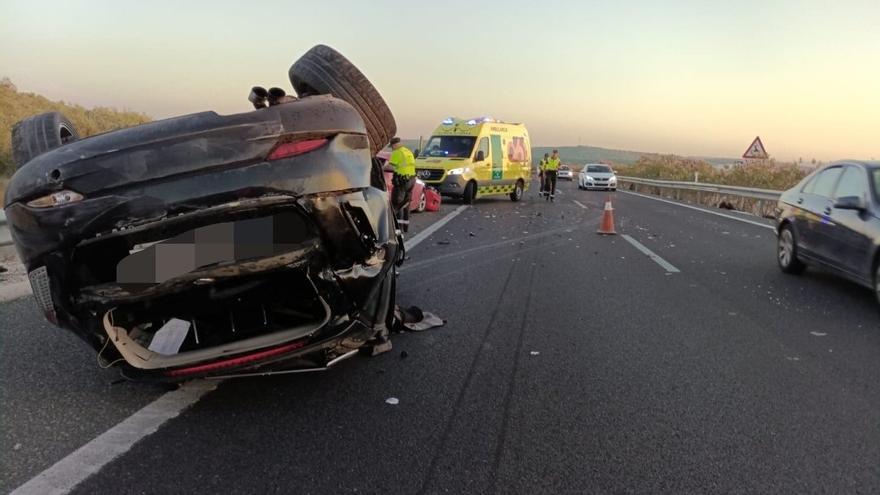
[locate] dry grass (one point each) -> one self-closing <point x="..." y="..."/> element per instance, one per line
<point x="767" y="174"/>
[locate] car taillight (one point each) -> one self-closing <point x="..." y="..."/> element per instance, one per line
<point x="56" y="199"/>
<point x="287" y="150"/>
<point x="238" y="361"/>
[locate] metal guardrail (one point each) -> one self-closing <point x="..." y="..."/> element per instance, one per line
<point x="5" y="236"/>
<point x="745" y="192"/>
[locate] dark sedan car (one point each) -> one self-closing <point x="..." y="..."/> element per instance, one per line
<point x="214" y="244"/>
<point x="832" y="219"/>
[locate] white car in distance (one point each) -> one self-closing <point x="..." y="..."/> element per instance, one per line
<point x="596" y="176"/>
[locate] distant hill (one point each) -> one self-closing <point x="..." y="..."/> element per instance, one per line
<point x="579" y="155"/>
<point x="588" y="154"/>
<point x="15" y="106"/>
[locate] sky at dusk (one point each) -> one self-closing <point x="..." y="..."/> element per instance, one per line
<point x="685" y="77"/>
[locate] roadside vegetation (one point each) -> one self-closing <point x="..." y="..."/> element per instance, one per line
<point x="767" y="174"/>
<point x="15" y="106"/>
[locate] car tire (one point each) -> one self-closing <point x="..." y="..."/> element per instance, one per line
<point x="323" y="70"/>
<point x="517" y="193"/>
<point x="36" y="135"/>
<point x="470" y="193"/>
<point x="423" y="202"/>
<point x="787" y="251"/>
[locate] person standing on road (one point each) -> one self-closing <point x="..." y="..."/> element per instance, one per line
<point x="404" y="164"/>
<point x="551" y="168"/>
<point x="541" y="166"/>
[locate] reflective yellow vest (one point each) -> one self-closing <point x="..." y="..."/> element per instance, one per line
<point x="403" y="162"/>
<point x="552" y="164"/>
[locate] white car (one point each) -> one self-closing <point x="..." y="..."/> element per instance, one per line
<point x="565" y="173"/>
<point x="597" y="177"/>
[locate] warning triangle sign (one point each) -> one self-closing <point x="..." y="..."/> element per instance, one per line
<point x="756" y="150"/>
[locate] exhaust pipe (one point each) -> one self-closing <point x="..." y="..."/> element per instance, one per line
<point x="258" y="97"/>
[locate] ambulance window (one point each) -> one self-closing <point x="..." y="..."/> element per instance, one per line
<point x="484" y="147"/>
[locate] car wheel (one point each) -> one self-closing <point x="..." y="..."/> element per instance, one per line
<point x="323" y="70"/>
<point x="36" y="135"/>
<point x="787" y="251"/>
<point x="470" y="193"/>
<point x="423" y="202"/>
<point x="517" y="193"/>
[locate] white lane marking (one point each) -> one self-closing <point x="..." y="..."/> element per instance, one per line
<point x="91" y="457"/>
<point x="657" y="259"/>
<point x="744" y="220"/>
<point x="421" y="236"/>
<point x="580" y="204"/>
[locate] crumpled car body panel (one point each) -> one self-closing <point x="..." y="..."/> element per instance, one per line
<point x="274" y="264"/>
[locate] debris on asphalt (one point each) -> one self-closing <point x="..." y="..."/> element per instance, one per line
<point x="818" y="334"/>
<point x="443" y="243"/>
<point x="17" y="447"/>
<point x="404" y="354"/>
<point x="414" y="319"/>
<point x="535" y="353"/>
<point x="392" y="400"/>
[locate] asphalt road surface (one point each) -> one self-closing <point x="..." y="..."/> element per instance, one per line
<point x="677" y="359"/>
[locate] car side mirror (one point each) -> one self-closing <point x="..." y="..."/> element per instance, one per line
<point x="850" y="203"/>
<point x="480" y="156"/>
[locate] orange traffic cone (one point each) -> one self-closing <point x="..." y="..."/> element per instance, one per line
<point x="607" y="225"/>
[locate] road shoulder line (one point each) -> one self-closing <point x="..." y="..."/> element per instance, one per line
<point x="87" y="460"/>
<point x="731" y="217"/>
<point x="421" y="236"/>
<point x="669" y="267"/>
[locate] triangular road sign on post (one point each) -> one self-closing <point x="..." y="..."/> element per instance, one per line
<point x="756" y="150"/>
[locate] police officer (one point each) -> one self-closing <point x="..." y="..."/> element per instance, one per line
<point x="404" y="165"/>
<point x="551" y="167"/>
<point x="541" y="166"/>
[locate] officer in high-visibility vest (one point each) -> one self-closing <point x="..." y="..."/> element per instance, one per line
<point x="541" y="166"/>
<point x="404" y="164"/>
<point x="550" y="170"/>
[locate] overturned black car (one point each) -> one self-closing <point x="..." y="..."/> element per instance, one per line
<point x="209" y="245"/>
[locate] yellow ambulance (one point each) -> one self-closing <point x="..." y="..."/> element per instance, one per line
<point x="473" y="158"/>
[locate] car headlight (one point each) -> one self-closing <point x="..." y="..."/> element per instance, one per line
<point x="613" y="179"/>
<point x="59" y="198"/>
<point x="459" y="171"/>
<point x="589" y="178"/>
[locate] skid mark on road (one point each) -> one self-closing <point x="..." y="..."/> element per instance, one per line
<point x="511" y="385"/>
<point x="456" y="406"/>
<point x="530" y="237"/>
<point x="516" y="250"/>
